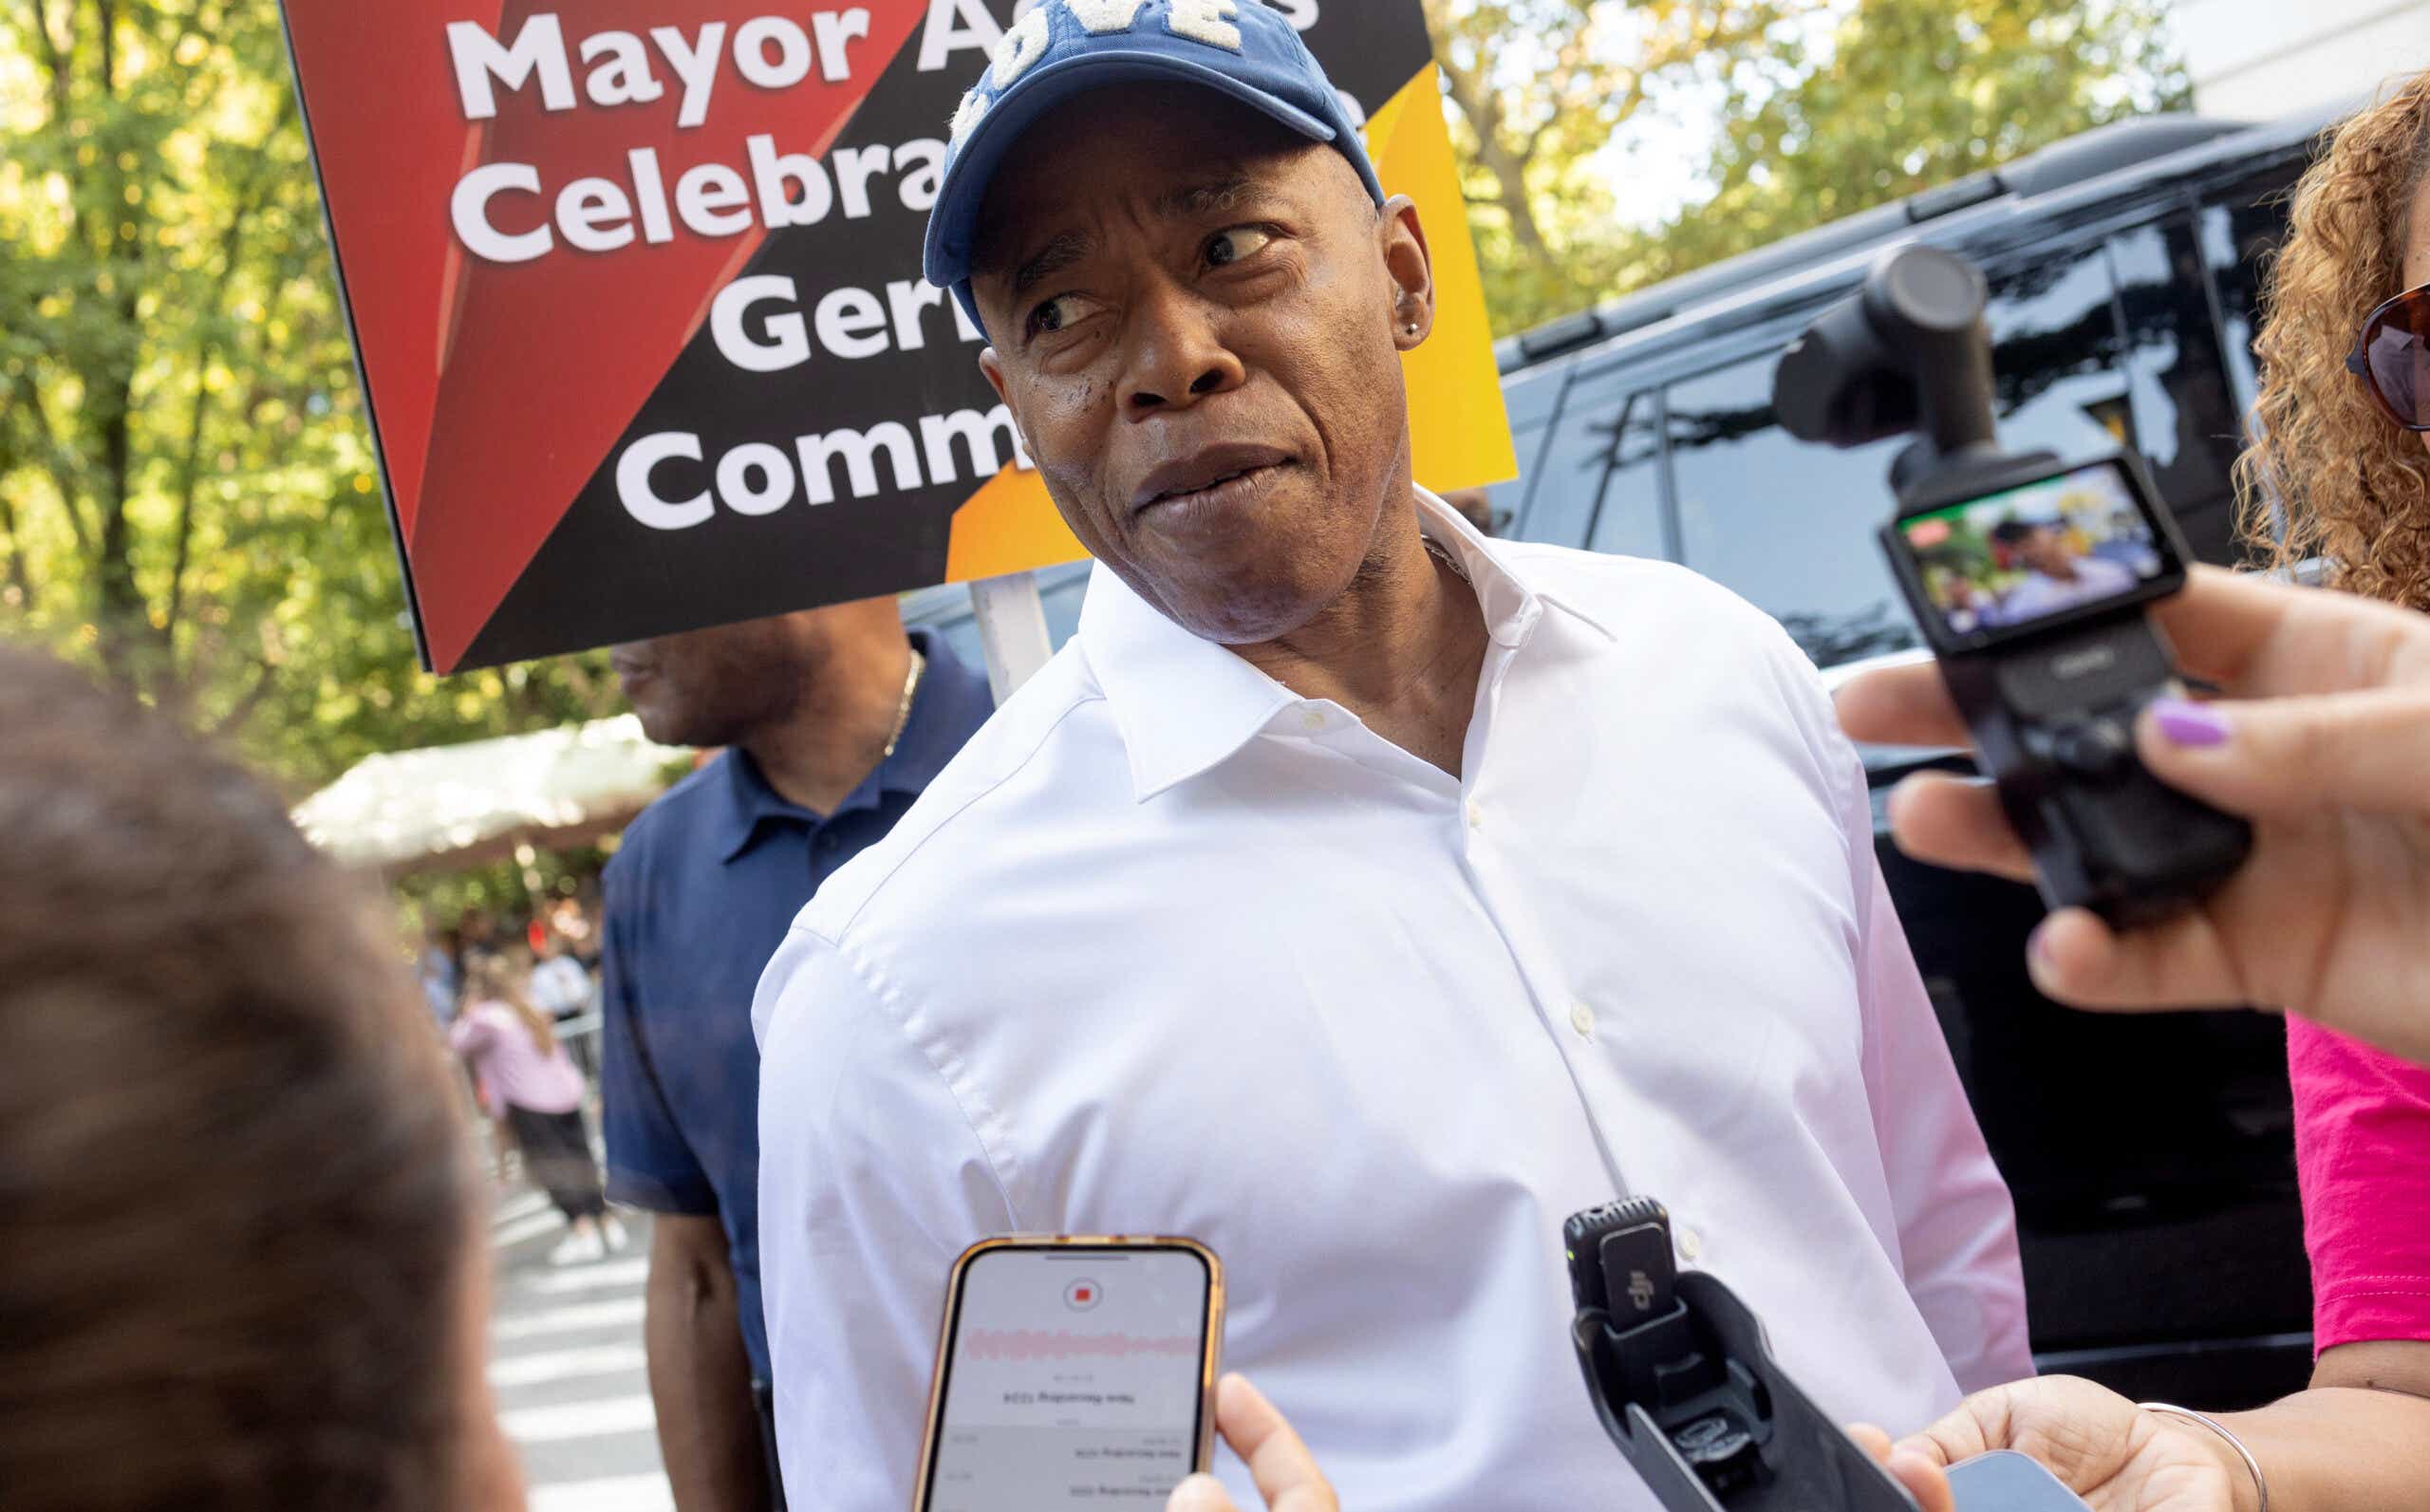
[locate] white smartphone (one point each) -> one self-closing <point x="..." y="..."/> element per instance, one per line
<point x="1072" y="1371"/>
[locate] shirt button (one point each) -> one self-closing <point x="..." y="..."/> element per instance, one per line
<point x="1476" y="815"/>
<point x="1311" y="719"/>
<point x="1582" y="1019"/>
<point x="1692" y="1245"/>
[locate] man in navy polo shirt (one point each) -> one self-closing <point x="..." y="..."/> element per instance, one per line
<point x="832" y="720"/>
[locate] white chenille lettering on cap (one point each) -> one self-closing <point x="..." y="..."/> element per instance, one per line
<point x="1020" y="47"/>
<point x="1206" y="21"/>
<point x="965" y="116"/>
<point x="1101" y="16"/>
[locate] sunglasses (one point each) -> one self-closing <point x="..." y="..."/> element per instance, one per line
<point x="2392" y="358"/>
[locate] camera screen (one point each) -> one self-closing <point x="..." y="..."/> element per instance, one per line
<point x="2019" y="557"/>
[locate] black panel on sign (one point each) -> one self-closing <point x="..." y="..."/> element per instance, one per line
<point x="798" y="553"/>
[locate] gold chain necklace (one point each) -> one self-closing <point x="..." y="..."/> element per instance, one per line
<point x="911" y="686"/>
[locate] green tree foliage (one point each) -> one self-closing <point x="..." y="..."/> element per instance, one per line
<point x="187" y="494"/>
<point x="1826" y="107"/>
<point x="1535" y="89"/>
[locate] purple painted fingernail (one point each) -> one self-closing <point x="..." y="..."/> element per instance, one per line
<point x="2186" y="722"/>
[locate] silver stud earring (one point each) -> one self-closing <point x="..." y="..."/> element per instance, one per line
<point x="1410" y="327"/>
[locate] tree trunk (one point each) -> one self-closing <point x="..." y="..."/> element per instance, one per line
<point x="1474" y="99"/>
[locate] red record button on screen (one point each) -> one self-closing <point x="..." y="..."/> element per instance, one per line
<point x="1082" y="1295"/>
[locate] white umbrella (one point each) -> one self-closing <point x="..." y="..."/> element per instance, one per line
<point x="454" y="805"/>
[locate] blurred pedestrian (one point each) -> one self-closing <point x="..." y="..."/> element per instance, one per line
<point x="244" y="1265"/>
<point x="529" y="1084"/>
<point x="563" y="990"/>
<point x="440" y="976"/>
<point x="571" y="919"/>
<point x="560" y="987"/>
<point x="833" y="721"/>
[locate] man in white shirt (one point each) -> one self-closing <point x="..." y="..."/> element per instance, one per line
<point x="1355" y="894"/>
<point x="2058" y="576"/>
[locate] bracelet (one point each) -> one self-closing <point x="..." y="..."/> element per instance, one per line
<point x="2260" y="1485"/>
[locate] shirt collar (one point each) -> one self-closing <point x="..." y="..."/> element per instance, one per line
<point x="952" y="700"/>
<point x="1182" y="705"/>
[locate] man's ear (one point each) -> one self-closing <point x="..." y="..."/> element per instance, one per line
<point x="994" y="368"/>
<point x="1410" y="266"/>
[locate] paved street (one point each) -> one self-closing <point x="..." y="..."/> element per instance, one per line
<point x="567" y="1365"/>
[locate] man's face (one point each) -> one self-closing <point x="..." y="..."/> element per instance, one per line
<point x="713" y="687"/>
<point x="1196" y="319"/>
<point x="2045" y="552"/>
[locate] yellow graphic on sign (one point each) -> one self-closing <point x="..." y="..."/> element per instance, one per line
<point x="1009" y="526"/>
<point x="1459" y="437"/>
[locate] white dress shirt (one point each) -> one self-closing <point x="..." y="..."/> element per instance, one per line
<point x="1170" y="949"/>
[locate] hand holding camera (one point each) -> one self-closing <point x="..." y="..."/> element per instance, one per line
<point x="2054" y="598"/>
<point x="2030" y="579"/>
<point x="2322" y="742"/>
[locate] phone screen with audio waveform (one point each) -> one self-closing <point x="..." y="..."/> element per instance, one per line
<point x="1074" y="1377"/>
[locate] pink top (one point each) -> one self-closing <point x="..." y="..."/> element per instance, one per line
<point x="512" y="1071"/>
<point x="2363" y="1155"/>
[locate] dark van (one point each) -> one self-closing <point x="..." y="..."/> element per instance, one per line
<point x="2150" y="1157"/>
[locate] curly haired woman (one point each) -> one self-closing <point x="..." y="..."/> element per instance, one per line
<point x="2342" y="467"/>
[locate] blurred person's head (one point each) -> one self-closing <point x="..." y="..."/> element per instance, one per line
<point x="2353" y="487"/>
<point x="242" y="1267"/>
<point x="2040" y="546"/>
<point x="723" y="685"/>
<point x="505" y="977"/>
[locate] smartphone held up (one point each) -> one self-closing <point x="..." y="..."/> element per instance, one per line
<point x="1072" y="1371"/>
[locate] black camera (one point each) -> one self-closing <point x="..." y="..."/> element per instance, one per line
<point x="2030" y="576"/>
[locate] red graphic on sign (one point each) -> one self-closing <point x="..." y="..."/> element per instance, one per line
<point x="530" y="370"/>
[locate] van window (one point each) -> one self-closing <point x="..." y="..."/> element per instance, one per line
<point x="1562" y="496"/>
<point x="2054" y="352"/>
<point x="2185" y="410"/>
<point x="1529" y="398"/>
<point x="1786" y="525"/>
<point x="2240" y="233"/>
<point x="1627" y="519"/>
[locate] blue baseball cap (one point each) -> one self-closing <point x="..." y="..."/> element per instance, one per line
<point x="1064" y="47"/>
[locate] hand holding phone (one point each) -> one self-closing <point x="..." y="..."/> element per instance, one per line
<point x="1286" y="1474"/>
<point x="1072" y="1371"/>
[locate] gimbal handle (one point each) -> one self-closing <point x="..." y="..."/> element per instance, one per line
<point x="1688" y="1390"/>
